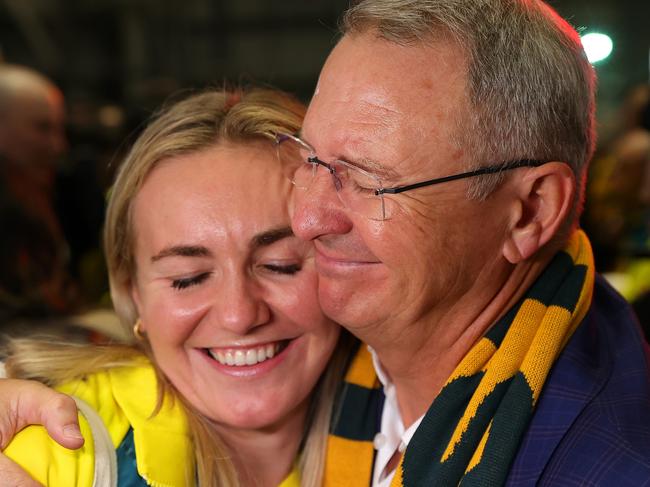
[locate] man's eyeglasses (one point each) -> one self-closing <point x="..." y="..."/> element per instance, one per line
<point x="358" y="189"/>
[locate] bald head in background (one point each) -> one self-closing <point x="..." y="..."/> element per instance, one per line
<point x="32" y="119"/>
<point x="33" y="255"/>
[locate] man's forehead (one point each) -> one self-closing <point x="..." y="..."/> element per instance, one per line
<point x="386" y="107"/>
<point x="364" y="92"/>
<point x="379" y="73"/>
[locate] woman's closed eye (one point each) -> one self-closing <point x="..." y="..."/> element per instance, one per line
<point x="185" y="282"/>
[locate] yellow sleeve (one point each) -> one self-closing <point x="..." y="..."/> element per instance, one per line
<point x="51" y="464"/>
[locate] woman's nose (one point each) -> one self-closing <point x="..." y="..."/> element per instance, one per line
<point x="241" y="306"/>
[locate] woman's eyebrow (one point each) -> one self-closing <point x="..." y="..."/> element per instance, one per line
<point x="182" y="251"/>
<point x="269" y="237"/>
<point x="262" y="239"/>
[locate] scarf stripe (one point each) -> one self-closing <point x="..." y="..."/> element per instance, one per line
<point x="471" y="433"/>
<point x="350" y="450"/>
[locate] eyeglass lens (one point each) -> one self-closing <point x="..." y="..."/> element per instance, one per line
<point x="355" y="189"/>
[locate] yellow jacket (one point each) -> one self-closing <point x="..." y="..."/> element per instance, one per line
<point x="121" y="399"/>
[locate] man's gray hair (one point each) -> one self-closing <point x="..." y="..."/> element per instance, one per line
<point x="530" y="86"/>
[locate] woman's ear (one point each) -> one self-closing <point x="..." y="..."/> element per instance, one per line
<point x="544" y="197"/>
<point x="135" y="296"/>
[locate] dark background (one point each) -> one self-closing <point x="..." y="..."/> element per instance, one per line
<point x="118" y="58"/>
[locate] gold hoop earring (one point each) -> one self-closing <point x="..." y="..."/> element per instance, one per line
<point x="137" y="330"/>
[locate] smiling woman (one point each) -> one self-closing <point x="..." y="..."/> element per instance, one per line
<point x="230" y="370"/>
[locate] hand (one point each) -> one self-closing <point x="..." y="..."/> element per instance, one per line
<point x="28" y="402"/>
<point x="25" y="402"/>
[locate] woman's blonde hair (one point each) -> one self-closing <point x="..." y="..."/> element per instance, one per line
<point x="198" y="122"/>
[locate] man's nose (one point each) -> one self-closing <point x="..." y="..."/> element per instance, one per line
<point x="318" y="211"/>
<point x="241" y="305"/>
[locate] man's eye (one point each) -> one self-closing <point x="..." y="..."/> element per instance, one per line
<point x="185" y="282"/>
<point x="362" y="187"/>
<point x="289" y="269"/>
<point x="354" y="182"/>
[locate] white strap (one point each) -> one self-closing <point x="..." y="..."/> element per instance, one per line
<point x="105" y="457"/>
<point x="3" y="372"/>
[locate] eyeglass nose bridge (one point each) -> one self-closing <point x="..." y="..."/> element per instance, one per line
<point x="315" y="162"/>
<point x="338" y="184"/>
<point x="338" y="171"/>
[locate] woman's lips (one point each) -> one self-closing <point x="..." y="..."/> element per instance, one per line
<point x="242" y="358"/>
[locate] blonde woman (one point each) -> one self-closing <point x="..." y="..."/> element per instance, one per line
<point x="225" y="382"/>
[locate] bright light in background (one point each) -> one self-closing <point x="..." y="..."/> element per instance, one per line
<point x="597" y="46"/>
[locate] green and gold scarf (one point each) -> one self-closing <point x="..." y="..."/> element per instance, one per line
<point x="471" y="433"/>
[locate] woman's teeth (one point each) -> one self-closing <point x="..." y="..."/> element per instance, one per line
<point x="245" y="356"/>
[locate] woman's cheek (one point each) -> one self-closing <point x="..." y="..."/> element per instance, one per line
<point x="175" y="310"/>
<point x="302" y="301"/>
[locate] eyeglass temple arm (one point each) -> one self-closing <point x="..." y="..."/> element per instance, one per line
<point x="469" y="174"/>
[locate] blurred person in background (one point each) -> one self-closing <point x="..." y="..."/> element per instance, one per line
<point x="618" y="205"/>
<point x="34" y="281"/>
<point x="619" y="186"/>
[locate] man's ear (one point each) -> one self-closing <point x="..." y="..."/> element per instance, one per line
<point x="544" y="196"/>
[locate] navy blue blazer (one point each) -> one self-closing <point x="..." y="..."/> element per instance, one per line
<point x="592" y="424"/>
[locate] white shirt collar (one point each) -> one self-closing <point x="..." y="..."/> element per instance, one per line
<point x="392" y="435"/>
